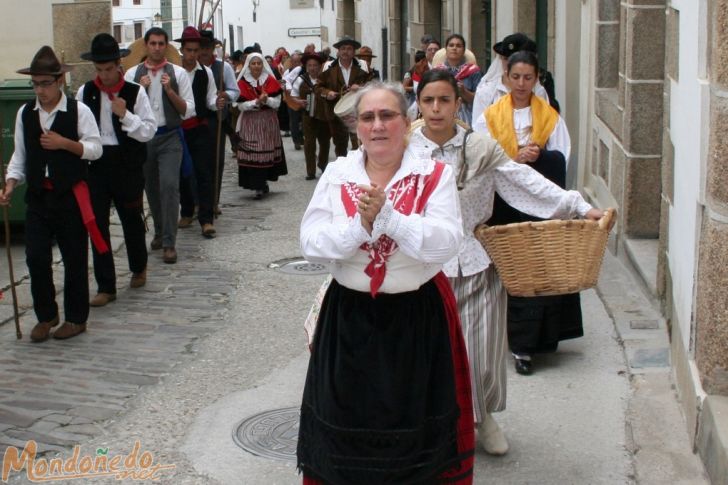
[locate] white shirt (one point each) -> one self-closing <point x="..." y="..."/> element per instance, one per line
<point x="155" y="92"/>
<point x="88" y="134"/>
<point x="488" y="93"/>
<point x="426" y="241"/>
<point x="518" y="184"/>
<point x="523" y="122"/>
<point x="229" y="79"/>
<point x="362" y="66"/>
<point x="211" y="96"/>
<point x="140" y="125"/>
<point x="290" y="76"/>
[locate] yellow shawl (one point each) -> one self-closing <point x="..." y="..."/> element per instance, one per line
<point x="499" y="117"/>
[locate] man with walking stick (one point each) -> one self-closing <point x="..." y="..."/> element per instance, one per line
<point x="55" y="138"/>
<point x="228" y="92"/>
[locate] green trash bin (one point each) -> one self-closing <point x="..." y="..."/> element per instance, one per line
<point x="13" y="94"/>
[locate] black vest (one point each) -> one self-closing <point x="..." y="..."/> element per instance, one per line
<point x="134" y="151"/>
<point x="199" y="91"/>
<point x="64" y="168"/>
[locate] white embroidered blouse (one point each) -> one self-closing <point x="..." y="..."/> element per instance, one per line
<point x="518" y="184"/>
<point x="426" y="241"/>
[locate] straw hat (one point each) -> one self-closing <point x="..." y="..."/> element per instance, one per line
<point x="138" y="52"/>
<point x="439" y="57"/>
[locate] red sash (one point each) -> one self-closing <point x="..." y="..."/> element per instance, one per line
<point x="407" y="195"/>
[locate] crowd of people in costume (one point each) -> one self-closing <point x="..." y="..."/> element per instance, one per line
<point x="409" y="335"/>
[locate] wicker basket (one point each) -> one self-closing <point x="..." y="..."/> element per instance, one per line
<point x="549" y="257"/>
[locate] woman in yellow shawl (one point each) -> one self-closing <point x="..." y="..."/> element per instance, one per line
<point x="532" y="132"/>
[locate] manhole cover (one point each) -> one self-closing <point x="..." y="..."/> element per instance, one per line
<point x="270" y="434"/>
<point x="299" y="266"/>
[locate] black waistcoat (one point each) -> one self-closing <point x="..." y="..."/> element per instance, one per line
<point x="134" y="151"/>
<point x="64" y="168"/>
<point x="199" y="91"/>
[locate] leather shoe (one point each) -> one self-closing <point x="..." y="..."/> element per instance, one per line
<point x="169" y="256"/>
<point x="208" y="230"/>
<point x="156" y="243"/>
<point x="138" y="279"/>
<point x="42" y="330"/>
<point x="310" y="177"/>
<point x="102" y="299"/>
<point x="184" y="222"/>
<point x="524" y="367"/>
<point x="69" y="330"/>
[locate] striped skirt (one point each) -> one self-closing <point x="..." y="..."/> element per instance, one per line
<point x="482" y="305"/>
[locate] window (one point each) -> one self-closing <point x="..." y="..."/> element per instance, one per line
<point x="114" y="3"/>
<point x="138" y="30"/>
<point x="117" y="32"/>
<point x="137" y="2"/>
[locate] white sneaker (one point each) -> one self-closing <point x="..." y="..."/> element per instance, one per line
<point x="491" y="437"/>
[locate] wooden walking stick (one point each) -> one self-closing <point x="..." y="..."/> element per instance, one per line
<point x="6" y="218"/>
<point x="220" y="90"/>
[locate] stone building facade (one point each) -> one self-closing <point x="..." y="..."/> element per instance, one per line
<point x="643" y="86"/>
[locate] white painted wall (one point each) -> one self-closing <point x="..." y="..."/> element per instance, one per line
<point x="505" y="21"/>
<point x="273" y="19"/>
<point x="689" y="124"/>
<point x="28" y="25"/>
<point x="127" y="14"/>
<point x="372" y="15"/>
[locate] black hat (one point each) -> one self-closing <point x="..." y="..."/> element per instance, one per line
<point x="514" y="43"/>
<point x="104" y="48"/>
<point x="45" y="63"/>
<point x="208" y="37"/>
<point x="252" y="48"/>
<point x="346" y="40"/>
<point x="313" y="55"/>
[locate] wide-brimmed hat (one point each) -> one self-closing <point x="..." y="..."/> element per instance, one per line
<point x="365" y="51"/>
<point x="190" y="34"/>
<point x="346" y="40"/>
<point x="208" y="37"/>
<point x="45" y="63"/>
<point x="514" y="43"/>
<point x="308" y="56"/>
<point x="104" y="48"/>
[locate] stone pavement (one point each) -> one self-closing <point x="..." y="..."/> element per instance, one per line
<point x="218" y="337"/>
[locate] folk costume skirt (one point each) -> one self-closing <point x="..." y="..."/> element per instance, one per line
<point x="537" y="324"/>
<point x="260" y="150"/>
<point x="387" y="396"/>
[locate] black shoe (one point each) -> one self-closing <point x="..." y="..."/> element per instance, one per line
<point x="310" y="177"/>
<point x="266" y="189"/>
<point x="524" y="367"/>
<point x="297" y="146"/>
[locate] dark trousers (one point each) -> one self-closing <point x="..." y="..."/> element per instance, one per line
<point x="294" y="120"/>
<point x="203" y="165"/>
<point x="315" y="130"/>
<point x="51" y="215"/>
<point x="218" y="153"/>
<point x="115" y="179"/>
<point x="341" y="135"/>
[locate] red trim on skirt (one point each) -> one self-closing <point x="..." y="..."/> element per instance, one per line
<point x="463" y="474"/>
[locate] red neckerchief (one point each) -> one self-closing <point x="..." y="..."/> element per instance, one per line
<point x="155" y="69"/>
<point x="407" y="195"/>
<point x="109" y="90"/>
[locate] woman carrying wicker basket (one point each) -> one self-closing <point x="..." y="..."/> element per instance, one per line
<point x="532" y="132"/>
<point x="482" y="168"/>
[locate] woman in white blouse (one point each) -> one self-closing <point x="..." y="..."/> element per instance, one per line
<point x="387" y="396"/>
<point x="482" y="168"/>
<point x="260" y="150"/>
<point x="531" y="131"/>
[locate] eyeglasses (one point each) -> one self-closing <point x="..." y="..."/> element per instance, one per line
<point x="385" y="116"/>
<point x="42" y="84"/>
